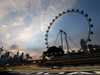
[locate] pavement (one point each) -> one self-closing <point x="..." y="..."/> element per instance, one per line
<point x="36" y="70"/>
<point x="53" y="73"/>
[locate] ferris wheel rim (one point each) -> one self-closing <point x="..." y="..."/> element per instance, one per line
<point x="66" y="12"/>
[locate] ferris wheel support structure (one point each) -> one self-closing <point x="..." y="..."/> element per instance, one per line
<point x="62" y="32"/>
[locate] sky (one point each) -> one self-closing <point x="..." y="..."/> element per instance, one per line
<point x="23" y="23"/>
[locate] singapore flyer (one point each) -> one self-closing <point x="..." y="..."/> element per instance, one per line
<point x="67" y="29"/>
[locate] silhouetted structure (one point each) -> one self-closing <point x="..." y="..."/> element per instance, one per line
<point x="89" y="56"/>
<point x="93" y="48"/>
<point x="53" y="51"/>
<point x="83" y="46"/>
<point x="21" y="57"/>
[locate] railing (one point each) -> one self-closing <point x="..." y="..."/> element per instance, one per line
<point x="93" y="58"/>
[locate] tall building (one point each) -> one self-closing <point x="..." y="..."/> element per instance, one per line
<point x="17" y="56"/>
<point x="7" y="54"/>
<point x="2" y="57"/>
<point x="83" y="45"/>
<point x="21" y="56"/>
<point x="17" y="53"/>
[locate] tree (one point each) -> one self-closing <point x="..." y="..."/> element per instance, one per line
<point x="28" y="56"/>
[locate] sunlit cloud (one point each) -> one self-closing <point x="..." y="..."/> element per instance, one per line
<point x="4" y="26"/>
<point x="23" y="23"/>
<point x="8" y="35"/>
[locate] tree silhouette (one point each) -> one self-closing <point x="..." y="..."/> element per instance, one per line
<point x="28" y="56"/>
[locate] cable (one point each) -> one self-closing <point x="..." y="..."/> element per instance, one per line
<point x="56" y="38"/>
<point x="72" y="41"/>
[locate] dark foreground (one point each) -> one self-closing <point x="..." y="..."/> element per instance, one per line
<point x="36" y="70"/>
<point x="7" y="73"/>
<point x="51" y="73"/>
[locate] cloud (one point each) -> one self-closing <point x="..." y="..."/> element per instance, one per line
<point x="8" y="35"/>
<point x="14" y="46"/>
<point x="9" y="6"/>
<point x="4" y="26"/>
<point x="24" y="22"/>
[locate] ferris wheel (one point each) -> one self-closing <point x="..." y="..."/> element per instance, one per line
<point x="75" y="24"/>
